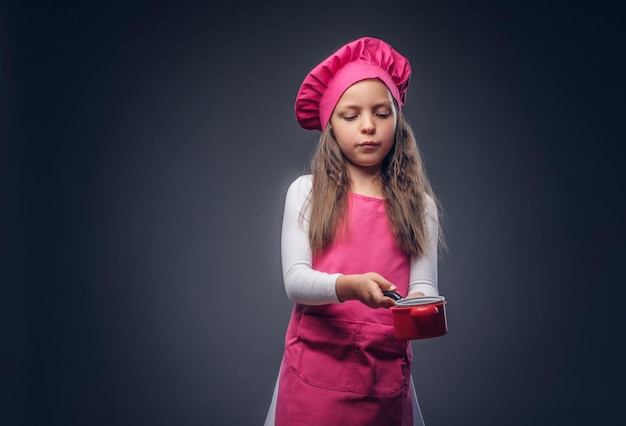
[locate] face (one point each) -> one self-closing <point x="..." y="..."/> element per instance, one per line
<point x="364" y="124"/>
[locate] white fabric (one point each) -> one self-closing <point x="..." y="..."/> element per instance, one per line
<point x="307" y="286"/>
<point x="302" y="283"/>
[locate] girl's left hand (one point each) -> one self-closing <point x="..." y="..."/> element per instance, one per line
<point x="416" y="294"/>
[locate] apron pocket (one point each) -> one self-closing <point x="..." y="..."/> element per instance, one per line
<point x="349" y="356"/>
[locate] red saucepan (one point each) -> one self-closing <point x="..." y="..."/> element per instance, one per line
<point x="419" y="317"/>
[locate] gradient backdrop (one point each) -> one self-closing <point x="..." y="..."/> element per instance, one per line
<point x="146" y="151"/>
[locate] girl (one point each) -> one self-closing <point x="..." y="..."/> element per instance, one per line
<point x="364" y="221"/>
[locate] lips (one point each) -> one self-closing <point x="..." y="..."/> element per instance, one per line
<point x="369" y="144"/>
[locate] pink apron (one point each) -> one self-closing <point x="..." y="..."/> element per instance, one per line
<point x="342" y="364"/>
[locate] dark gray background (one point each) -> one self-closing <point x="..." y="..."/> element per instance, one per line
<point x="146" y="150"/>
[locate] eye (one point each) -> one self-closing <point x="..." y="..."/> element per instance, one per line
<point x="349" y="117"/>
<point x="383" y="114"/>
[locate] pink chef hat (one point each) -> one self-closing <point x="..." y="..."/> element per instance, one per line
<point x="358" y="60"/>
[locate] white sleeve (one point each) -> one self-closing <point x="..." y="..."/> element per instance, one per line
<point x="423" y="271"/>
<point x="303" y="284"/>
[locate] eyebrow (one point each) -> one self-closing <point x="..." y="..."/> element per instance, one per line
<point x="383" y="104"/>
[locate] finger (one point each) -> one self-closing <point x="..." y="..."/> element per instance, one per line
<point x="382" y="282"/>
<point x="388" y="302"/>
<point x="385" y="301"/>
<point x="387" y="286"/>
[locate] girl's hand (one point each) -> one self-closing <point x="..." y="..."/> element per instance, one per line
<point x="367" y="288"/>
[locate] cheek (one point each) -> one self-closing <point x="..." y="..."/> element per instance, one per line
<point x="341" y="135"/>
<point x="390" y="132"/>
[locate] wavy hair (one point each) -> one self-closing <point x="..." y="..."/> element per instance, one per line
<point x="404" y="180"/>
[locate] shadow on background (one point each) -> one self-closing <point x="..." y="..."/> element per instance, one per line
<point x="146" y="151"/>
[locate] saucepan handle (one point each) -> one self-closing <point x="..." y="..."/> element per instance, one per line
<point x="393" y="294"/>
<point x="420" y="311"/>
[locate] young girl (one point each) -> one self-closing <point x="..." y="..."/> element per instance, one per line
<point x="364" y="221"/>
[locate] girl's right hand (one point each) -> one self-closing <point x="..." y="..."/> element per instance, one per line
<point x="367" y="288"/>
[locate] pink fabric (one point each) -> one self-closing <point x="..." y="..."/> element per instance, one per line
<point x="342" y="363"/>
<point x="358" y="60"/>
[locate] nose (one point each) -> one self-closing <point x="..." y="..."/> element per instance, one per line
<point x="367" y="124"/>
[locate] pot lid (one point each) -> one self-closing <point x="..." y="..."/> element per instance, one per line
<point x="421" y="300"/>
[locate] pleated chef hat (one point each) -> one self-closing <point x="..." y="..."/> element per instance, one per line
<point x="361" y="59"/>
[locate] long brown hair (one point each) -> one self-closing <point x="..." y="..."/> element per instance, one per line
<point x="406" y="187"/>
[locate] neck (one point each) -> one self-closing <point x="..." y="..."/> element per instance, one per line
<point x="366" y="181"/>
